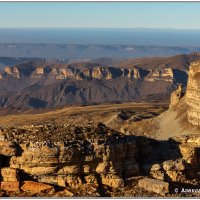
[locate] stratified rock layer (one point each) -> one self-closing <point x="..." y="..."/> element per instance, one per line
<point x="79" y="154"/>
<point x="96" y="72"/>
<point x="161" y="75"/>
<point x="87" y="158"/>
<point x="193" y="94"/>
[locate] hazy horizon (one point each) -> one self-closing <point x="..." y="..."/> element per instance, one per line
<point x="104" y="23"/>
<point x="102" y="36"/>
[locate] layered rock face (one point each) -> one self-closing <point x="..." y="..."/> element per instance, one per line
<point x="104" y="156"/>
<point x="81" y="157"/>
<point x="66" y="72"/>
<point x="96" y="72"/>
<point x="161" y="75"/>
<point x="62" y="163"/>
<point x="52" y="84"/>
<point x="193" y="94"/>
<point x="43" y="85"/>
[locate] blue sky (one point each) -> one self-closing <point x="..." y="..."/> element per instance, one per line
<point x="176" y="15"/>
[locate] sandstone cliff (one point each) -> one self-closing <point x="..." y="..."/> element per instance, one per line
<point x="96" y="72"/>
<point x="161" y="75"/>
<point x="192" y="94"/>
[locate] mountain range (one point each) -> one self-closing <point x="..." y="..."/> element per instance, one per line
<point x="52" y="83"/>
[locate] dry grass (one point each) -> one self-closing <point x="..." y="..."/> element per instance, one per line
<point x="76" y="115"/>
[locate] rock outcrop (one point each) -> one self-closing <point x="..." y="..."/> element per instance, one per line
<point x="87" y="73"/>
<point x="12" y="71"/>
<point x="106" y="158"/>
<point x="87" y="158"/>
<point x="193" y="94"/>
<point x="154" y="185"/>
<point x="176" y="96"/>
<point x="165" y="74"/>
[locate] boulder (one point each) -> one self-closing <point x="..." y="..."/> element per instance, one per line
<point x="174" y="170"/>
<point x="113" y="181"/>
<point x="156" y="167"/>
<point x="157" y="172"/>
<point x="153" y="185"/>
<point x="170" y="165"/>
<point x="37" y="188"/>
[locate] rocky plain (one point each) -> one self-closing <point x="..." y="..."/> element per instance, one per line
<point x="132" y="150"/>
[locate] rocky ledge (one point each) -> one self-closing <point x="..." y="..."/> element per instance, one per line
<point x="93" y="160"/>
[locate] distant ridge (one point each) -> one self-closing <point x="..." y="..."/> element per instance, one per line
<point x="181" y="61"/>
<point x="75" y="51"/>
